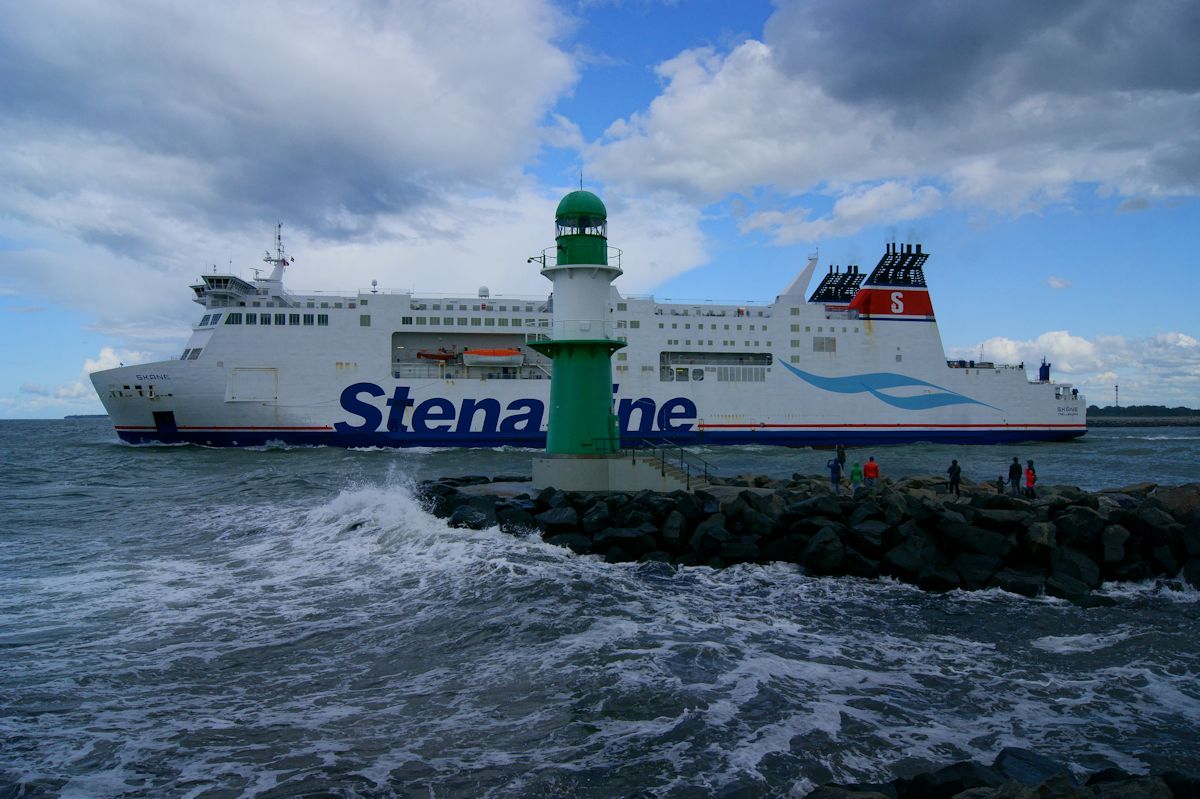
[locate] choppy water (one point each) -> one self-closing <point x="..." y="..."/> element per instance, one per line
<point x="180" y="621"/>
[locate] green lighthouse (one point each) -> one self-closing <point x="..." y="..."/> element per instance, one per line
<point x="581" y="423"/>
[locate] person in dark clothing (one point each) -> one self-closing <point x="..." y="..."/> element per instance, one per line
<point x="955" y="472"/>
<point x="1014" y="477"/>
<point x="835" y="474"/>
<point x="841" y="456"/>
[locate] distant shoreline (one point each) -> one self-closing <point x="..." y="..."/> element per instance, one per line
<point x="1144" y="421"/>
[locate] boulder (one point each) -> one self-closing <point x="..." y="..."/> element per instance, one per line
<point x="975" y="569"/>
<point x="908" y="558"/>
<point x="952" y="780"/>
<point x="596" y="518"/>
<point x="471" y="517"/>
<point x="709" y="535"/>
<point x="1039" y="541"/>
<point x="1112" y="543"/>
<point x="821" y="505"/>
<point x="938" y="577"/>
<point x="674" y="530"/>
<point x="865" y="511"/>
<point x="1066" y="587"/>
<point x="1017" y="581"/>
<point x="559" y="519"/>
<point x="741" y="549"/>
<point x="856" y="564"/>
<point x="513" y="520"/>
<point x="868" y="535"/>
<point x="1002" y="520"/>
<point x="633" y="543"/>
<point x="790" y="548"/>
<point x="576" y="542"/>
<point x="687" y="504"/>
<point x="1075" y="564"/>
<point x="983" y="542"/>
<point x="824" y="553"/>
<point x="1080" y="527"/>
<point x="1165" y="559"/>
<point x="1182" y="502"/>
<point x="1027" y="767"/>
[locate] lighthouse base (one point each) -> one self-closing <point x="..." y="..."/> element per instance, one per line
<point x="608" y="473"/>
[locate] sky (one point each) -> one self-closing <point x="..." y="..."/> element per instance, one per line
<point x="1046" y="155"/>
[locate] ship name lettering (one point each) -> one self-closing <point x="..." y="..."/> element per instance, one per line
<point x="152" y="377"/>
<point x="441" y="415"/>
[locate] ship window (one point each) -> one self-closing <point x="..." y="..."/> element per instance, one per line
<point x="528" y="309"/>
<point x="251" y="318"/>
<point x="660" y="325"/>
<point x="364" y="320"/>
<point x="462" y="321"/>
<point x="808" y="328"/>
<point x="406" y="320"/>
<point x="337" y="305"/>
<point x="635" y="324"/>
<point x="726" y="327"/>
<point x="475" y="308"/>
<point x="681" y="374"/>
<point x="204" y="321"/>
<point x="308" y="319"/>
<point x="503" y="321"/>
<point x="824" y="344"/>
<point x="281" y="319"/>
<point x="185" y="354"/>
<point x="437" y="306"/>
<point x="739" y="327"/>
<point x="233" y="319"/>
<point x="293" y="319"/>
<point x="795" y="343"/>
<point x="324" y="305"/>
<point x="856" y="330"/>
<point x="256" y="304"/>
<point x="476" y="321"/>
<point x="489" y="322"/>
<point x="795" y="359"/>
<point x="360" y="302"/>
<point x="310" y="305"/>
<point x="899" y="357"/>
<point x="265" y="319"/>
<point x="622" y="356"/>
<point x="420" y="320"/>
<point x="195" y="354"/>
<point x="516" y="321"/>
<point x="433" y="320"/>
<point x="322" y="320"/>
<point x="621" y="306"/>
<point x="795" y="311"/>
<point x="820" y="329"/>
<point x="697" y="374"/>
<point x="215" y="318"/>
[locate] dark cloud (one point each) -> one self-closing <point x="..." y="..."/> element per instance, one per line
<point x="930" y="54"/>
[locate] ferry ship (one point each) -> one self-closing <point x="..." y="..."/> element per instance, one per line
<point x="857" y="361"/>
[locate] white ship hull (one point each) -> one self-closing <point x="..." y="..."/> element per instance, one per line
<point x="797" y="372"/>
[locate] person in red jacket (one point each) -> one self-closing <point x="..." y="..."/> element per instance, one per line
<point x="1030" y="479"/>
<point x="870" y="474"/>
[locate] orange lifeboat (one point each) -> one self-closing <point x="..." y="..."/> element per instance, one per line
<point x="509" y="356"/>
<point x="439" y="355"/>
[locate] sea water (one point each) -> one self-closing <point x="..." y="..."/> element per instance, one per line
<point x="184" y="621"/>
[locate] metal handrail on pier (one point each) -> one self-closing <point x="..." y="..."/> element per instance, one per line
<point x="668" y="455"/>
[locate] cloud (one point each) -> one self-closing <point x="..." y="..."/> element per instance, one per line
<point x="1159" y="369"/>
<point x="1058" y="282"/>
<point x="929" y="97"/>
<point x="228" y="113"/>
<point x="872" y="205"/>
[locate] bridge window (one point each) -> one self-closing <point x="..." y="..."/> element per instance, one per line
<point x="233" y="319"/>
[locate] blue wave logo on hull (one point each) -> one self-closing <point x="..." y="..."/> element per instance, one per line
<point x="877" y="382"/>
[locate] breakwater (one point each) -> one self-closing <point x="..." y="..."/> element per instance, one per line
<point x="1064" y="543"/>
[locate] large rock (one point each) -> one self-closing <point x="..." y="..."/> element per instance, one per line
<point x="597" y="518"/>
<point x="633" y="542"/>
<point x="1001" y="520"/>
<point x="1017" y="581"/>
<point x="709" y="535"/>
<point x="471" y="517"/>
<point x="824" y="553"/>
<point x="952" y="780"/>
<point x="908" y="558"/>
<point x="789" y="548"/>
<point x="1080" y="527"/>
<point x="983" y="542"/>
<point x="514" y="520"/>
<point x="1191" y="572"/>
<point x="1027" y="767"/>
<point x="1066" y="587"/>
<point x="560" y="519"/>
<point x="975" y="569"/>
<point x="1039" y="542"/>
<point x="674" y="530"/>
<point x="868" y="535"/>
<point x="1112" y="543"/>
<point x="1075" y="564"/>
<point x="1182" y="502"/>
<point x="577" y="542"/>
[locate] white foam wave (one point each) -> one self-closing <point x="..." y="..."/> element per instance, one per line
<point x="1089" y="642"/>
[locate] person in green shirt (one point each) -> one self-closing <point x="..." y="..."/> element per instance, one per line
<point x="856" y="478"/>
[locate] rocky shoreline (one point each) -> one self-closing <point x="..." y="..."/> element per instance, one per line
<point x="1064" y="544"/>
<point x="1018" y="774"/>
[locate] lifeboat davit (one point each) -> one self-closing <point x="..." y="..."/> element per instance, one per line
<point x="499" y="357"/>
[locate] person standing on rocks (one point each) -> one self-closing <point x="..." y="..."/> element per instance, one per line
<point x="1014" y="477"/>
<point x="955" y="472"/>
<point x="841" y="456"/>
<point x="870" y="474"/>
<point x="835" y="474"/>
<point x="1030" y="479"/>
<point x="856" y="478"/>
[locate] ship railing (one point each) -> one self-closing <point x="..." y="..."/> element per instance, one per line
<point x="667" y="456"/>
